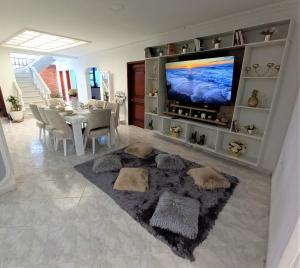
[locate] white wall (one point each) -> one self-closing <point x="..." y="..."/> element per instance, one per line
<point x="285" y="193"/>
<point x="115" y="60"/>
<point x="7" y="75"/>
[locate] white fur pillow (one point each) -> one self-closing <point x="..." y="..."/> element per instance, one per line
<point x="132" y="179"/>
<point x="139" y="150"/>
<point x="208" y="178"/>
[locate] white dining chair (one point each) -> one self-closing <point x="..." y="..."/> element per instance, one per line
<point x="115" y="107"/>
<point x="62" y="131"/>
<point x="100" y="104"/>
<point x="48" y="127"/>
<point x="98" y="125"/>
<point x="39" y="121"/>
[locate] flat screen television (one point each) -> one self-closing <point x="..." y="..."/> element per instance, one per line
<point x="207" y="82"/>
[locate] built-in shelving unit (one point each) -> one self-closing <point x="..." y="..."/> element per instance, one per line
<point x="218" y="135"/>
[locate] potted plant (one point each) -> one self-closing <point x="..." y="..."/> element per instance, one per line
<point x="250" y="129"/>
<point x="73" y="97"/>
<point x="160" y="52"/>
<point x="268" y="33"/>
<point x="184" y="48"/>
<point x="217" y="42"/>
<point x="16" y="112"/>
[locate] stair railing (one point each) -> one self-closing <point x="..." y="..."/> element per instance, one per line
<point x="19" y="94"/>
<point x="40" y="84"/>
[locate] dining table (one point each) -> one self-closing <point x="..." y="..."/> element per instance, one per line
<point x="77" y="120"/>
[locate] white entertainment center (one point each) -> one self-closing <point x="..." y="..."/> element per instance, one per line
<point x="217" y="137"/>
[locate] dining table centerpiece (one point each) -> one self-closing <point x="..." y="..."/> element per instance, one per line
<point x="73" y="97"/>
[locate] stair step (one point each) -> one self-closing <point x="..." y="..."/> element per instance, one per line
<point x="35" y="95"/>
<point x="32" y="99"/>
<point x="26" y="104"/>
<point x="30" y="92"/>
<point x="29" y="89"/>
<point x="23" y="75"/>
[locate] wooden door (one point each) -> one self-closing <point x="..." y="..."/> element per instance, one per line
<point x="62" y="84"/>
<point x="2" y="105"/>
<point x="136" y="92"/>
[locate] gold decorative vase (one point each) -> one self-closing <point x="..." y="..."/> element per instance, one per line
<point x="253" y="100"/>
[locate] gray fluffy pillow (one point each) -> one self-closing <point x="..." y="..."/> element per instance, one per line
<point x="178" y="214"/>
<point x="107" y="163"/>
<point x="169" y="162"/>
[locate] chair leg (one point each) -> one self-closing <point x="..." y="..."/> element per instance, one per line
<point x="108" y="140"/>
<point x="85" y="141"/>
<point x="65" y="146"/>
<point x="56" y="143"/>
<point x="94" y="144"/>
<point x="40" y="133"/>
<point x="117" y="132"/>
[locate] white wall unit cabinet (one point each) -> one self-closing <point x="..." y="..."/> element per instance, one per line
<point x="256" y="51"/>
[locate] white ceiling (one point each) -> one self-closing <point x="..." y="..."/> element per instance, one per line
<point x="98" y="22"/>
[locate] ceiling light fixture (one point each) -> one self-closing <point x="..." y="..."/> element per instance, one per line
<point x="39" y="41"/>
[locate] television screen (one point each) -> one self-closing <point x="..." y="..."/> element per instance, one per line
<point x="204" y="81"/>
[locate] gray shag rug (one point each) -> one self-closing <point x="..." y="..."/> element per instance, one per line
<point x="141" y="206"/>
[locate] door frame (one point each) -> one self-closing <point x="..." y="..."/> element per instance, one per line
<point x="129" y="64"/>
<point x="2" y="102"/>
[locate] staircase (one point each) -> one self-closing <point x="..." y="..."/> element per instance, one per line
<point x="30" y="92"/>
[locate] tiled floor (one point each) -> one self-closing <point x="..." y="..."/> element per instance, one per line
<point x="56" y="218"/>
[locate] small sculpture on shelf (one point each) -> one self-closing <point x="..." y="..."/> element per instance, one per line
<point x="184" y="48"/>
<point x="153" y="92"/>
<point x="193" y="138"/>
<point x="201" y="140"/>
<point x="236" y="148"/>
<point x="217" y="42"/>
<point x="253" y="100"/>
<point x="150" y="124"/>
<point x="175" y="131"/>
<point x="268" y="33"/>
<point x="250" y="129"/>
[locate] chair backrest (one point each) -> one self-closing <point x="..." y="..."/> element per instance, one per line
<point x="115" y="107"/>
<point x="43" y="115"/>
<point x="100" y="104"/>
<point x="98" y="119"/>
<point x="35" y="112"/>
<point x="58" y="122"/>
<point x="91" y="102"/>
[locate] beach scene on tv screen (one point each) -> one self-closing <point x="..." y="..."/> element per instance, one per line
<point x="206" y="81"/>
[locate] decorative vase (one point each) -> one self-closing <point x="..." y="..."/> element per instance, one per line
<point x="253" y="101"/>
<point x="250" y="131"/>
<point x="217" y="45"/>
<point x="17" y="116"/>
<point x="268" y="37"/>
<point x="74" y="103"/>
<point x="175" y="134"/>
